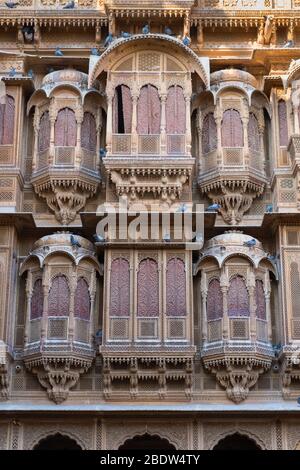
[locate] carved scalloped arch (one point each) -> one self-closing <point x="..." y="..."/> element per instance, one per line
<point x="242" y="432"/>
<point x="139" y="433"/>
<point x="53" y="432"/>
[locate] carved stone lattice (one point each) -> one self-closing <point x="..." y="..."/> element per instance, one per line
<point x="3" y="382"/>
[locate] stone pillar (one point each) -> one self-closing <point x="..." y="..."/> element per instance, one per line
<point x="200" y="35"/>
<point x="187" y="24"/>
<point x="92" y="290"/>
<point x="36" y="126"/>
<point x="98" y="34"/>
<point x="245" y="121"/>
<point x="204" y="299"/>
<point x="134" y="135"/>
<point x="52" y="118"/>
<point x="252" y="305"/>
<point x="224" y="284"/>
<point x="28" y="307"/>
<point x="73" y="285"/>
<point x="188" y="132"/>
<point x="267" y="290"/>
<point x="78" y="154"/>
<point x="109" y="125"/>
<point x="163" y="124"/>
<point x="218" y="119"/>
<point x="44" y="321"/>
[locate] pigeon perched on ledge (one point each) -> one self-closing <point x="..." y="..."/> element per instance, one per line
<point x="11" y="4"/>
<point x="58" y="52"/>
<point x="102" y="153"/>
<point x="289" y="44"/>
<point x="125" y="35"/>
<point x="213" y="207"/>
<point x="69" y="5"/>
<point x="99" y="238"/>
<point x="74" y="241"/>
<point x="250" y="243"/>
<point x="186" y="41"/>
<point x="12" y="72"/>
<point x="168" y="31"/>
<point x="108" y="40"/>
<point x="146" y="29"/>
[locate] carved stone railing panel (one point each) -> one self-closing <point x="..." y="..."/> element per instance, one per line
<point x="64" y="156"/>
<point x="176" y="144"/>
<point x="121" y="144"/>
<point x="149" y="144"/>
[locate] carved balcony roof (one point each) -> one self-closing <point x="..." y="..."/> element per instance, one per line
<point x="233" y="75"/>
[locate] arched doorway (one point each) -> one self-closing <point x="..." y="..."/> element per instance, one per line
<point x="236" y="442"/>
<point x="147" y="442"/>
<point x="57" y="442"/>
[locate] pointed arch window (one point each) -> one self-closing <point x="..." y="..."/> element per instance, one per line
<point x="59" y="297"/>
<point x="122" y="110"/>
<point x="65" y="128"/>
<point x="148" y="288"/>
<point x="37" y="300"/>
<point x="175" y="111"/>
<point x="214" y="304"/>
<point x="120" y="288"/>
<point x="7" y="121"/>
<point x="261" y="312"/>
<point x="88" y="132"/>
<point x="253" y="133"/>
<point x="232" y="129"/>
<point x="238" y="298"/>
<point x="209" y="134"/>
<point x="148" y="111"/>
<point x="283" y="125"/>
<point x="44" y="132"/>
<point x="176" y="288"/>
<point x="82" y="301"/>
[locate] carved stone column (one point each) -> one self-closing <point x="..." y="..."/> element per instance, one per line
<point x="73" y="284"/>
<point x="204" y="300"/>
<point x="245" y="120"/>
<point x="79" y="119"/>
<point x="36" y="126"/>
<point x="267" y="291"/>
<point x="134" y="135"/>
<point x="187" y="24"/>
<point x="200" y="35"/>
<point x="163" y="135"/>
<point x="52" y="118"/>
<point x="252" y="304"/>
<point x="44" y="321"/>
<point x="28" y="307"/>
<point x="218" y="119"/>
<point x="92" y="291"/>
<point x="188" y="133"/>
<point x="224" y="284"/>
<point x="109" y="124"/>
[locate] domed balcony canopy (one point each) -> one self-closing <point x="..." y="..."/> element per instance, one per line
<point x="160" y="42"/>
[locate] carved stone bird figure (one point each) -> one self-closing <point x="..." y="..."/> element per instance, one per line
<point x="146" y="29"/>
<point x="58" y="52"/>
<point x="69" y="5"/>
<point x="11" y="4"/>
<point x="74" y="241"/>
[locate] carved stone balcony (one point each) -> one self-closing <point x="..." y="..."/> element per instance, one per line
<point x="237" y="342"/>
<point x="59" y="331"/>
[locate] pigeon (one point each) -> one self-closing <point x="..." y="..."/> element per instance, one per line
<point x="50" y="70"/>
<point x="182" y="208"/>
<point x="102" y="153"/>
<point x="125" y="35"/>
<point x="12" y="72"/>
<point x="28" y="33"/>
<point x="186" y="40"/>
<point x="74" y="241"/>
<point x="94" y="51"/>
<point x="58" y="52"/>
<point x="272" y="257"/>
<point x="276" y="349"/>
<point x="199" y="238"/>
<point x="108" y="40"/>
<point x="69" y="5"/>
<point x="30" y="73"/>
<point x="213" y="207"/>
<point x="99" y="238"/>
<point x="146" y="29"/>
<point x="250" y="243"/>
<point x="168" y="31"/>
<point x="298" y="400"/>
<point x="167" y="238"/>
<point x="269" y="208"/>
<point x="11" y="4"/>
<point x="289" y="44"/>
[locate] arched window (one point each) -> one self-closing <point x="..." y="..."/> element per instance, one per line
<point x="88" y="132"/>
<point x="37" y="300"/>
<point x="214" y="304"/>
<point x="283" y="125"/>
<point x="65" y="128"/>
<point x="175" y="111"/>
<point x="59" y="297"/>
<point x="238" y="299"/>
<point x="122" y="110"/>
<point x="261" y="313"/>
<point x="253" y="133"/>
<point x="120" y="288"/>
<point x="148" y="111"/>
<point x="44" y="132"/>
<point x="295" y="289"/>
<point x="7" y="121"/>
<point x="209" y="134"/>
<point x="82" y="301"/>
<point x="232" y="129"/>
<point x="148" y="288"/>
<point x="176" y="288"/>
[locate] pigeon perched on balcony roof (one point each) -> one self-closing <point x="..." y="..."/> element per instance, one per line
<point x="167" y="238"/>
<point x="94" y="51"/>
<point x="250" y="243"/>
<point x="30" y="73"/>
<point x="108" y="40"/>
<point x="58" y="52"/>
<point x="99" y="238"/>
<point x="213" y="208"/>
<point x="11" y="4"/>
<point x="74" y="241"/>
<point x="269" y="208"/>
<point x="12" y="72"/>
<point x="69" y="5"/>
<point x="186" y="40"/>
<point x="168" y="31"/>
<point x="102" y="153"/>
<point x="182" y="208"/>
<point x="272" y="257"/>
<point x="28" y="33"/>
<point x="146" y="29"/>
<point x="125" y="35"/>
<point x="288" y="44"/>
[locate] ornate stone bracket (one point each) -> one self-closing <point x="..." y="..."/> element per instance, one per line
<point x="58" y="375"/>
<point x="290" y="372"/>
<point x="234" y="196"/>
<point x="4" y="384"/>
<point x="237" y="375"/>
<point x="65" y="196"/>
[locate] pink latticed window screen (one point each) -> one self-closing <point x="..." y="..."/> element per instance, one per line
<point x="175" y="111"/>
<point x="37" y="300"/>
<point x="7" y="121"/>
<point x="295" y="289"/>
<point x="261" y="312"/>
<point x="88" y="132"/>
<point x="148" y="111"/>
<point x="148" y="288"/>
<point x="44" y="132"/>
<point x="65" y="128"/>
<point x="176" y="288"/>
<point x="232" y="129"/>
<point x="238" y="299"/>
<point x="122" y="110"/>
<point x="214" y="303"/>
<point x="253" y="133"/>
<point x="283" y="125"/>
<point x="82" y="301"/>
<point x="209" y="134"/>
<point x="59" y="297"/>
<point x="120" y="288"/>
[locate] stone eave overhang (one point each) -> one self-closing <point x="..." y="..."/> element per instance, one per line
<point x="272" y="221"/>
<point x="21" y="220"/>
